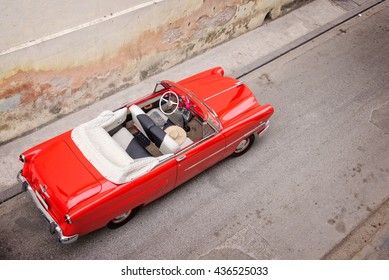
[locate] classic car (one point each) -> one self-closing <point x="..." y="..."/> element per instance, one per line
<point x="99" y="173"/>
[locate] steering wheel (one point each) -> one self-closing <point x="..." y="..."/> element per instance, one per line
<point x="172" y="101"/>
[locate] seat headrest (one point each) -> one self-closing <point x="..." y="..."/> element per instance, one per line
<point x="141" y="120"/>
<point x="136" y="110"/>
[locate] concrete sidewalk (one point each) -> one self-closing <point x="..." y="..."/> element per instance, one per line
<point x="245" y="53"/>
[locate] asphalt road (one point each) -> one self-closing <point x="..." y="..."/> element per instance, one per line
<point x="321" y="169"/>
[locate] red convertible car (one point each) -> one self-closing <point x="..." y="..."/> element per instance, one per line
<point x="99" y="173"/>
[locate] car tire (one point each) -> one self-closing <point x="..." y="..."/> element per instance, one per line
<point x="243" y="146"/>
<point x="122" y="219"/>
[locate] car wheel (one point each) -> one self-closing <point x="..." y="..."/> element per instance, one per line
<point x="243" y="146"/>
<point x="122" y="219"/>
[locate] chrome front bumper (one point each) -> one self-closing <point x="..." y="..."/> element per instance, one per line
<point x="54" y="227"/>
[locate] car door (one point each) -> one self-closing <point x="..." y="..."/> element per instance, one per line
<point x="200" y="156"/>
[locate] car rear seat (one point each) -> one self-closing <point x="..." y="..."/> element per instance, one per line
<point x="127" y="141"/>
<point x="106" y="154"/>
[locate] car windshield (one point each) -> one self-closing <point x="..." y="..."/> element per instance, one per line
<point x="203" y="110"/>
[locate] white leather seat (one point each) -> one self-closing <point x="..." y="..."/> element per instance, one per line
<point x="186" y="143"/>
<point x="164" y="142"/>
<point x="141" y="120"/>
<point x="146" y="125"/>
<point x="106" y="154"/>
<point x="119" y="119"/>
<point x="130" y="144"/>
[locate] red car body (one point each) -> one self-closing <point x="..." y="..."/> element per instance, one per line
<point x="75" y="196"/>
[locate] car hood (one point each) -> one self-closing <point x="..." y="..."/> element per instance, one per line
<point x="62" y="176"/>
<point x="223" y="95"/>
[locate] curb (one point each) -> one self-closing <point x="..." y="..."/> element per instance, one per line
<point x="304" y="39"/>
<point x="10" y="193"/>
<point x="359" y="242"/>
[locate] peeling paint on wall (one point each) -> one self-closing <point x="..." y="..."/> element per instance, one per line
<point x="55" y="77"/>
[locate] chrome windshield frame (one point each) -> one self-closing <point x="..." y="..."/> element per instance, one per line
<point x="209" y="111"/>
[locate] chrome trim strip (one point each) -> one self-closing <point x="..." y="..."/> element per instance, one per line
<point x="184" y="150"/>
<point x="53" y="224"/>
<point x="204" y="159"/>
<point x="225" y="90"/>
<point x="249" y="133"/>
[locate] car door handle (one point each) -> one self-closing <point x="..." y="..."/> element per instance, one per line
<point x="181" y="158"/>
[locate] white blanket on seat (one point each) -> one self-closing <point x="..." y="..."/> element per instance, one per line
<point x="105" y="153"/>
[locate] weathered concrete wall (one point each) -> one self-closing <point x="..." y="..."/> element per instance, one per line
<point x="56" y="58"/>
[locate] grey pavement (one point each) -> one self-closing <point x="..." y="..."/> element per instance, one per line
<point x="249" y="240"/>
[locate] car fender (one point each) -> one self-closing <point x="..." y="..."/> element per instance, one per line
<point x="248" y="123"/>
